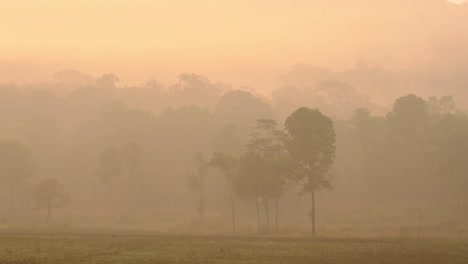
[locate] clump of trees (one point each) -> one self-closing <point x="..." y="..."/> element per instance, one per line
<point x="272" y="158"/>
<point x="261" y="177"/>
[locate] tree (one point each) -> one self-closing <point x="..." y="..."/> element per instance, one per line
<point x="441" y="106"/>
<point x="250" y="180"/>
<point x="407" y="148"/>
<point x="268" y="141"/>
<point x="107" y="81"/>
<point x="50" y="194"/>
<point x="196" y="181"/>
<point x="368" y="155"/>
<point x="242" y="109"/>
<point x="15" y="167"/>
<point x="110" y="164"/>
<point x="227" y="148"/>
<point x="131" y="160"/>
<point x="124" y="161"/>
<point x="226" y="141"/>
<point x="227" y="164"/>
<point x="450" y="152"/>
<point x="195" y="89"/>
<point x="312" y="147"/>
<point x="337" y="98"/>
<point x="260" y="176"/>
<point x="408" y="118"/>
<point x="115" y="162"/>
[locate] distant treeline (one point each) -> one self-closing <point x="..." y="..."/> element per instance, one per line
<point x="83" y="141"/>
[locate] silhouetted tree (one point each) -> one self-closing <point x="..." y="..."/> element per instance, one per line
<point x="50" y="194"/>
<point x="312" y="146"/>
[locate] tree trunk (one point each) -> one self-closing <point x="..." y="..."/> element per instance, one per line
<point x="276" y="214"/>
<point x="419" y="225"/>
<point x="267" y="213"/>
<point x="202" y="208"/>
<point x="133" y="199"/>
<point x="202" y="197"/>
<point x="258" y="213"/>
<point x="312" y="212"/>
<point x="233" y="212"/>
<point x="49" y="211"/>
<point x="12" y="202"/>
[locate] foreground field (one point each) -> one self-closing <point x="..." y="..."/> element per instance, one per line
<point x="20" y="248"/>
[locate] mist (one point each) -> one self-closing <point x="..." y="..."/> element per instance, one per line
<point x="237" y="119"/>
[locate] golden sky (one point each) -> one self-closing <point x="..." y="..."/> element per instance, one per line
<point x="239" y="41"/>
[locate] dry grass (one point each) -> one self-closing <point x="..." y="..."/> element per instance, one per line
<point x="22" y="248"/>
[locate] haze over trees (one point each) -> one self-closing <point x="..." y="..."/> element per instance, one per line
<point x="252" y="131"/>
<point x="122" y="155"/>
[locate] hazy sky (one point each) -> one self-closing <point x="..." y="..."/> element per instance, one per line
<point x="240" y="41"/>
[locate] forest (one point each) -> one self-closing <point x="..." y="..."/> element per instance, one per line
<point x="82" y="152"/>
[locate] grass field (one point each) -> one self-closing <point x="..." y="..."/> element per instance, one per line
<point x="23" y="248"/>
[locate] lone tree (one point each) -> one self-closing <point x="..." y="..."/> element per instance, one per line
<point x="312" y="147"/>
<point x="15" y="167"/>
<point x="196" y="181"/>
<point x="50" y="194"/>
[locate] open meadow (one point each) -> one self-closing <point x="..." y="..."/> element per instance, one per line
<point x="123" y="248"/>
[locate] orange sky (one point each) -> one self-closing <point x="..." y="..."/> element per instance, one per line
<point x="242" y="42"/>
